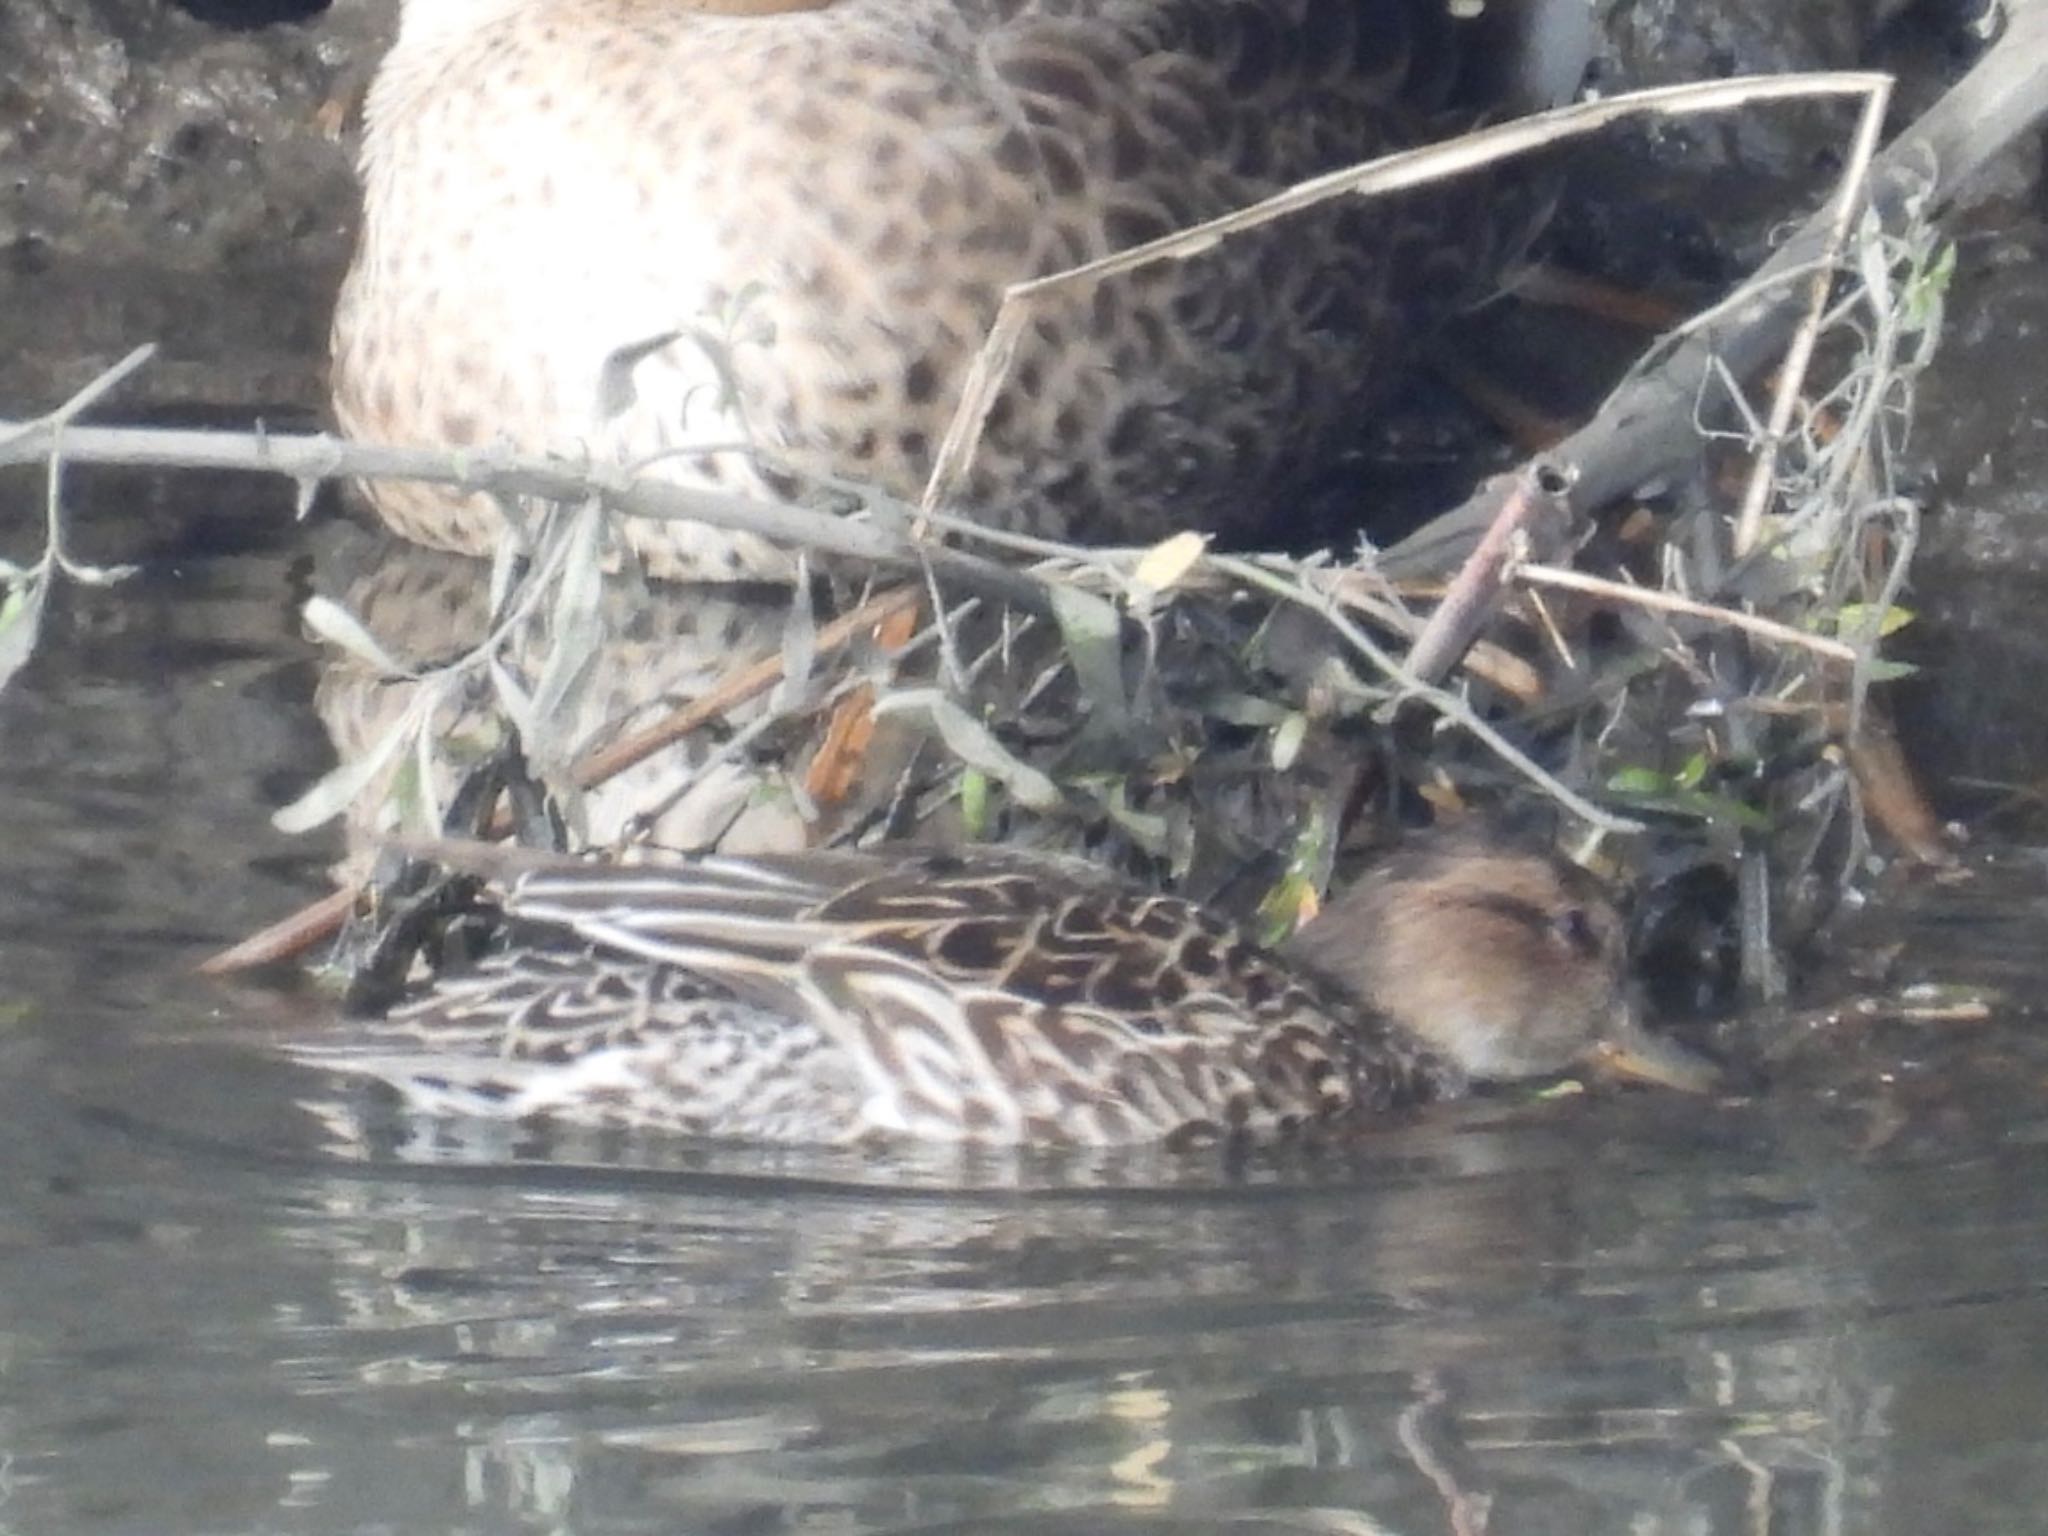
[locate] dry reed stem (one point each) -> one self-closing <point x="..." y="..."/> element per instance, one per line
<point x="1848" y="199"/>
<point x="287" y="938"/>
<point x="737" y="688"/>
<point x="1535" y="575"/>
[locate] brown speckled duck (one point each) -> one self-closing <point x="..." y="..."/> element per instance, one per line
<point x="655" y="230"/>
<point x="988" y="997"/>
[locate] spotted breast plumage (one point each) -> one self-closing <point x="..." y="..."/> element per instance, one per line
<point x="661" y="233"/>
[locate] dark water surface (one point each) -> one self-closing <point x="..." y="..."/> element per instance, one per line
<point x="231" y="1301"/>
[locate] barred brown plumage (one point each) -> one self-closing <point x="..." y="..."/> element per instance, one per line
<point x="831" y="997"/>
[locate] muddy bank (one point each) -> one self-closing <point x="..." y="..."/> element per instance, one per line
<point x="175" y="179"/>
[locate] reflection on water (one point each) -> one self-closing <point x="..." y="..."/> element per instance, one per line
<point x="237" y="1296"/>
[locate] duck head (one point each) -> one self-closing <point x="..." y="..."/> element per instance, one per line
<point x="1505" y="962"/>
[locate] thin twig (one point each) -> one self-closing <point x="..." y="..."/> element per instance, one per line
<point x="25" y="442"/>
<point x="1468" y="602"/>
<point x="1905" y="540"/>
<point x="1448" y="705"/>
<point x="285" y="939"/>
<point x="501" y="472"/>
<point x="1390" y="173"/>
<point x="1673" y="602"/>
<point x="737" y="688"/>
<point x="1847" y="201"/>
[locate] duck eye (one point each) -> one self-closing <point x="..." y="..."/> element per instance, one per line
<point x="1575" y="926"/>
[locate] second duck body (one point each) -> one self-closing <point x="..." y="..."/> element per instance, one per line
<point x="647" y="232"/>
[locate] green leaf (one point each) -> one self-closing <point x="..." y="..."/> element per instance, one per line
<point x="1927" y="293"/>
<point x="576" y="635"/>
<point x="975" y="797"/>
<point x="1150" y="831"/>
<point x="1639" y="781"/>
<point x="1852" y="618"/>
<point x="1280" y="912"/>
<point x="974" y="744"/>
<point x="1093" y="632"/>
<point x="1294" y="897"/>
<point x="1697" y="804"/>
<point x="1244" y="709"/>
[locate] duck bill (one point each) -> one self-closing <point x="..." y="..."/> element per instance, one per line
<point x="1628" y="1050"/>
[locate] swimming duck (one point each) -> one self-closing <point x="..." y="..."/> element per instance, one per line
<point x="996" y="998"/>
<point x="656" y="231"/>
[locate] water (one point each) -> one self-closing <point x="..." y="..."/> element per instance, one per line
<point x="232" y="1301"/>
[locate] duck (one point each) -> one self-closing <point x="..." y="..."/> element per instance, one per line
<point x="753" y="245"/>
<point x="997" y="998"/>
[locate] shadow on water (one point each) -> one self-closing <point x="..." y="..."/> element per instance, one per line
<point x="234" y="1296"/>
